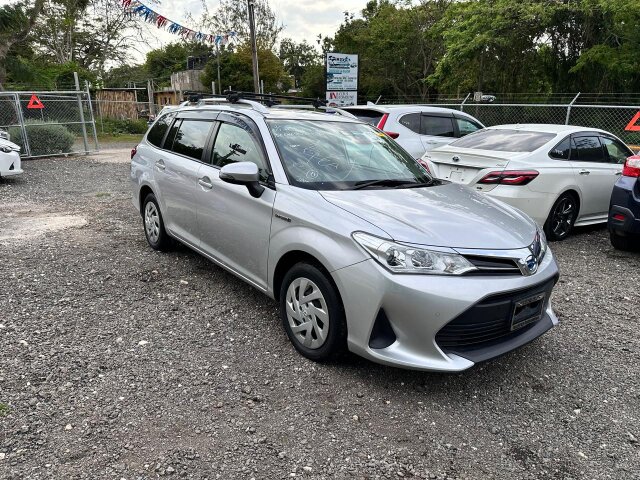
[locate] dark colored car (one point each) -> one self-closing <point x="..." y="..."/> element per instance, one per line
<point x="624" y="210"/>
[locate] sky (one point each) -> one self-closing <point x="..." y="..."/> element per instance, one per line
<point x="303" y="19"/>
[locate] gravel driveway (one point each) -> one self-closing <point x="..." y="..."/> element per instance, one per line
<point x="120" y="362"/>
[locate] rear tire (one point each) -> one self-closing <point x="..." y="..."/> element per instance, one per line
<point x="561" y="218"/>
<point x="627" y="244"/>
<point x="153" y="225"/>
<point x="312" y="313"/>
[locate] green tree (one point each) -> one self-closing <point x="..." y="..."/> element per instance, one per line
<point x="397" y="47"/>
<point x="162" y="62"/>
<point x="298" y="57"/>
<point x="236" y="70"/>
<point x="313" y="82"/>
<point x="91" y="33"/>
<point x="492" y="45"/>
<point x="232" y="16"/>
<point x="16" y="21"/>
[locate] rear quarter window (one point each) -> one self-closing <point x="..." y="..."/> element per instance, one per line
<point x="159" y="129"/>
<point x="505" y="140"/>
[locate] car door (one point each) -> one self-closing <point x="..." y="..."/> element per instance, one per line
<point x="436" y="129"/>
<point x="233" y="226"/>
<point x="409" y="137"/>
<point x="176" y="170"/>
<point x="593" y="174"/>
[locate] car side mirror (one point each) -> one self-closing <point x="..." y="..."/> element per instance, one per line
<point x="243" y="173"/>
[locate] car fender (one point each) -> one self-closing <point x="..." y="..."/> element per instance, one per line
<point x="332" y="251"/>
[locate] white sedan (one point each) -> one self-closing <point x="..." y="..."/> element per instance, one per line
<point x="9" y="158"/>
<point x="561" y="175"/>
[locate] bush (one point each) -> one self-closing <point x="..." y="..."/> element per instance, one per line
<point x="44" y="138"/>
<point x="112" y="126"/>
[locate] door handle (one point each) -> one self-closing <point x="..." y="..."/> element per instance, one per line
<point x="617" y="174"/>
<point x="205" y="182"/>
<point x="585" y="172"/>
<point x="160" y="164"/>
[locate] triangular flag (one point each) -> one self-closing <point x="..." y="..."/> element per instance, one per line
<point x="35" y="102"/>
<point x="631" y="126"/>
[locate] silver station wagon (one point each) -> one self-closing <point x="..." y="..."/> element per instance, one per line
<point x="360" y="246"/>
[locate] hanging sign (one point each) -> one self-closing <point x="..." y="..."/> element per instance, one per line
<point x="633" y="126"/>
<point x="35" y="103"/>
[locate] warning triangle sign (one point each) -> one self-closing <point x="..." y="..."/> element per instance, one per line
<point x="632" y="126"/>
<point x="35" y="102"/>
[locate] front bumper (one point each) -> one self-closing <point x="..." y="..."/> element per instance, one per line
<point x="417" y="308"/>
<point x="10" y="164"/>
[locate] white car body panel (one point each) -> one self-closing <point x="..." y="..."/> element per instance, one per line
<point x="591" y="181"/>
<point x="414" y="143"/>
<point x="10" y="163"/>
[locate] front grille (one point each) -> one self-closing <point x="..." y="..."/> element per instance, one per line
<point x="489" y="320"/>
<point x="493" y="266"/>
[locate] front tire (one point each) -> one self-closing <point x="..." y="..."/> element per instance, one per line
<point x="154" y="230"/>
<point x="562" y="217"/>
<point x="312" y="313"/>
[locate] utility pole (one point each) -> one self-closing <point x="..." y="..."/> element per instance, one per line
<point x="254" y="47"/>
<point x="218" y="60"/>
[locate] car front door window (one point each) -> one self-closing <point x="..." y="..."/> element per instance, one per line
<point x="235" y="144"/>
<point x="588" y="149"/>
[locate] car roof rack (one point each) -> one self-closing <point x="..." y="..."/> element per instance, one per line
<point x="270" y="99"/>
<point x="257" y="101"/>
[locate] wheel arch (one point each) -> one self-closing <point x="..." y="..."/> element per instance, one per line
<point x="288" y="260"/>
<point x="144" y="191"/>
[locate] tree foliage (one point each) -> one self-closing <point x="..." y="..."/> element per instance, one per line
<point x="91" y="33"/>
<point x="408" y="49"/>
<point x="232" y="16"/>
<point x="296" y="58"/>
<point x="236" y="70"/>
<point x="16" y="22"/>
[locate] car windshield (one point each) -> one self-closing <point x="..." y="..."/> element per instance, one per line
<point x="326" y="155"/>
<point x="503" y="140"/>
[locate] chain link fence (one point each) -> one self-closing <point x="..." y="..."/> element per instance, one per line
<point x="49" y="123"/>
<point x="612" y="113"/>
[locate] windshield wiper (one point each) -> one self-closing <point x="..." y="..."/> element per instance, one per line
<point x="388" y="182"/>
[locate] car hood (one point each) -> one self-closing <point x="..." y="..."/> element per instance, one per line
<point x="448" y="215"/>
<point x="11" y="145"/>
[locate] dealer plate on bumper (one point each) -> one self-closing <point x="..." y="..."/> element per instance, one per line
<point x="527" y="311"/>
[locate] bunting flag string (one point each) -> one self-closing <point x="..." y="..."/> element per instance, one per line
<point x="139" y="9"/>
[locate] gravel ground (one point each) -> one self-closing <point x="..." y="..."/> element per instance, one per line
<point x="120" y="362"/>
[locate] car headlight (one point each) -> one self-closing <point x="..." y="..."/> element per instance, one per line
<point x="6" y="149"/>
<point x="399" y="258"/>
<point x="543" y="245"/>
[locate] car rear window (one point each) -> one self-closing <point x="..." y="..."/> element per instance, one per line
<point x="372" y="117"/>
<point x="505" y="140"/>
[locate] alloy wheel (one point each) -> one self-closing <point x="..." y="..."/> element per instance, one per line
<point x="562" y="217"/>
<point x="307" y="313"/>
